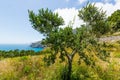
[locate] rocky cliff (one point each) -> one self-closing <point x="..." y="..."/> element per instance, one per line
<point x="37" y="45"/>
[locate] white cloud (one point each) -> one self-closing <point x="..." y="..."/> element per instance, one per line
<point x="109" y="7"/>
<point x="81" y="1"/>
<point x="68" y="14"/>
<point x="117" y="1"/>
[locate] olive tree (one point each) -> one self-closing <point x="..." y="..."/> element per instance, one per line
<point x="64" y="41"/>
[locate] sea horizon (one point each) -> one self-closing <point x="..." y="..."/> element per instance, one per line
<point x="8" y="47"/>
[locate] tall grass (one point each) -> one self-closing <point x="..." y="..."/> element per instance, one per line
<point x="21" y="65"/>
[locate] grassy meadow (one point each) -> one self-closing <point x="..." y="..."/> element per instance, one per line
<point x="32" y="67"/>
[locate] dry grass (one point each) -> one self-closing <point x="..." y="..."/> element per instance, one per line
<point x="33" y="67"/>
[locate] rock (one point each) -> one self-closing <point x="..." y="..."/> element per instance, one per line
<point x="37" y="45"/>
<point x="110" y="39"/>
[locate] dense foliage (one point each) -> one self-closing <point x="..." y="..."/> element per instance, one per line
<point x="18" y="53"/>
<point x="114" y="21"/>
<point x="45" y="21"/>
<point x="95" y="19"/>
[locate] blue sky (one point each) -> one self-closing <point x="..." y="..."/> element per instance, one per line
<point x="15" y="27"/>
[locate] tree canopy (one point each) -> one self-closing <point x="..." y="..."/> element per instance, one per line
<point x="65" y="41"/>
<point x="45" y="21"/>
<point x="114" y="21"/>
<point x="95" y="19"/>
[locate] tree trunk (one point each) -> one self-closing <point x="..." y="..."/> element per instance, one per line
<point x="69" y="69"/>
<point x="70" y="59"/>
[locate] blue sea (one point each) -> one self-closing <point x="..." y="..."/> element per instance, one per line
<point x="8" y="47"/>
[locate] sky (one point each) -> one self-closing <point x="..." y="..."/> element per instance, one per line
<point x="15" y="27"/>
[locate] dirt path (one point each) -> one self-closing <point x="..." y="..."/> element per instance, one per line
<point x="110" y="39"/>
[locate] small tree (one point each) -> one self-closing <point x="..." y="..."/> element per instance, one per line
<point x="65" y="42"/>
<point x="114" y="21"/>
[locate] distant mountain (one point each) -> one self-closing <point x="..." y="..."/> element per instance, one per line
<point x="37" y="45"/>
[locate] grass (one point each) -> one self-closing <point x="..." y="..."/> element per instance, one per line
<point x="19" y="68"/>
<point x="32" y="67"/>
<point x="112" y="34"/>
<point x="116" y="34"/>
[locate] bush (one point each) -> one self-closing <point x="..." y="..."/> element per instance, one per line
<point x="17" y="53"/>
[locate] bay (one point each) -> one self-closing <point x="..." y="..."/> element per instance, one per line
<point x="8" y="47"/>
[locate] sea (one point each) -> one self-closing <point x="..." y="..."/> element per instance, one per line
<point x="7" y="47"/>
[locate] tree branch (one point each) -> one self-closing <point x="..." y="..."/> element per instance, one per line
<point x="73" y="53"/>
<point x="68" y="56"/>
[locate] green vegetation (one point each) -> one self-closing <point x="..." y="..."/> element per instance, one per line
<point x="95" y="19"/>
<point x="17" y="53"/>
<point x="70" y="54"/>
<point x="67" y="43"/>
<point x="34" y="68"/>
<point x="114" y="21"/>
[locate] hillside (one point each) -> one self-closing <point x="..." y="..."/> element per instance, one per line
<point x="33" y="67"/>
